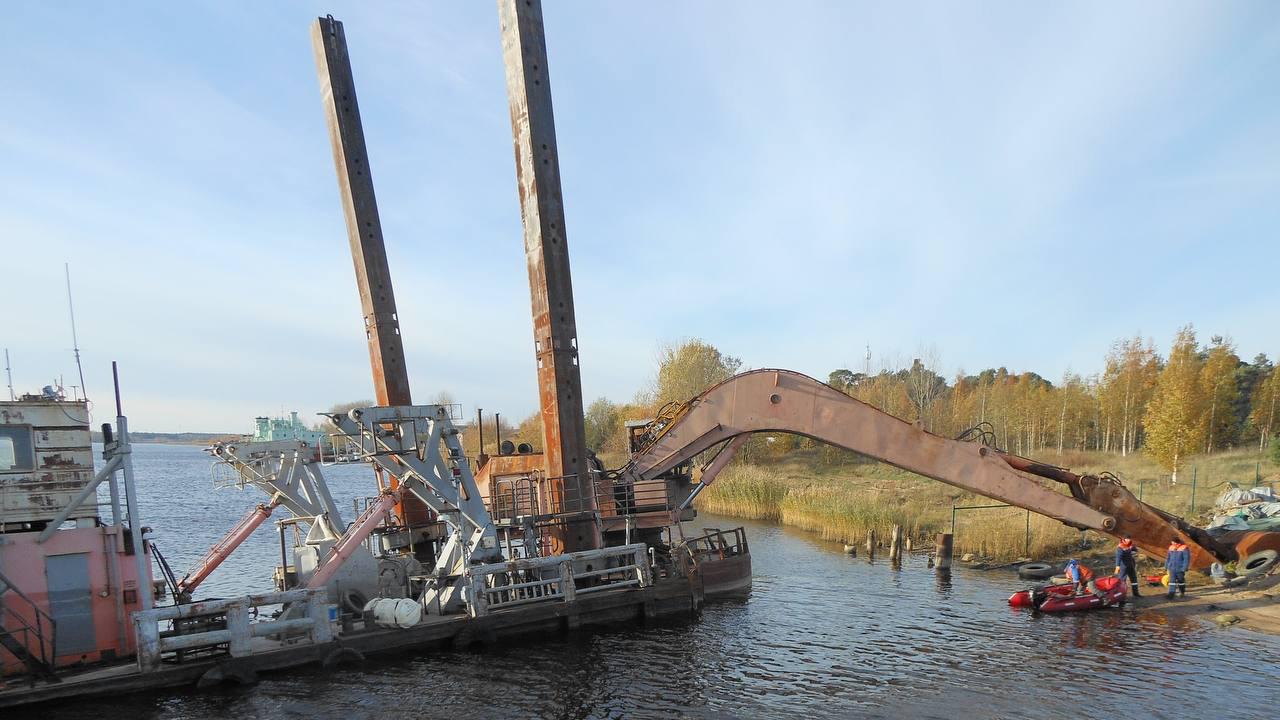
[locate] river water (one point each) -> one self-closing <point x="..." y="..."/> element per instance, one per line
<point x="823" y="635"/>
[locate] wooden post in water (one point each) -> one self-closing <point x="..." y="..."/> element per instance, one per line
<point x="942" y="551"/>
<point x="907" y="543"/>
<point x="871" y="542"/>
<point x="895" y="545"/>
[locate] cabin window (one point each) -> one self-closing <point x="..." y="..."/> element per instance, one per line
<point x="15" y="449"/>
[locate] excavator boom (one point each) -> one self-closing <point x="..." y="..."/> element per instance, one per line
<point x="785" y="401"/>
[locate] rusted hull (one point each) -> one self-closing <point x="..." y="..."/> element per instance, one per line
<point x="727" y="578"/>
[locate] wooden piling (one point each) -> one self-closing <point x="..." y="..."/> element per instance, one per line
<point x="895" y="545"/>
<point x="942" y="551"/>
<point x="871" y="542"/>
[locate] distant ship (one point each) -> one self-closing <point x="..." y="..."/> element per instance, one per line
<point x="291" y="428"/>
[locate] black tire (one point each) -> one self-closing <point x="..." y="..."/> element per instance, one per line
<point x="1035" y="571"/>
<point x="1257" y="563"/>
<point x="353" y="601"/>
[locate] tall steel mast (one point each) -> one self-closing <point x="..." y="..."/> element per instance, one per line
<point x="524" y="53"/>
<point x="364" y="229"/>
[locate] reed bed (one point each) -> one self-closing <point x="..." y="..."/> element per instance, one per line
<point x="844" y="502"/>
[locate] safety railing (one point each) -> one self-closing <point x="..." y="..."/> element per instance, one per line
<point x="718" y="544"/>
<point x="36" y="634"/>
<point x="556" y="578"/>
<point x="540" y="497"/>
<point x="230" y="625"/>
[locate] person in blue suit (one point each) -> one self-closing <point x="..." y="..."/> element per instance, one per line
<point x="1177" y="560"/>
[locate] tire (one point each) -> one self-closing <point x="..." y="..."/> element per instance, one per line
<point x="353" y="601"/>
<point x="1257" y="563"/>
<point x="1035" y="571"/>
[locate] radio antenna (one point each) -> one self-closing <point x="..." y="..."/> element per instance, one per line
<point x="8" y="371"/>
<point x="75" y="343"/>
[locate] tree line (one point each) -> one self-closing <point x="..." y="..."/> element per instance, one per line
<point x="1196" y="399"/>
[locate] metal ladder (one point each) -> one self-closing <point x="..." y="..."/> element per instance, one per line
<point x="41" y="664"/>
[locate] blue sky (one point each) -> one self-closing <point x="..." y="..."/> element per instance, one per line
<point x="1010" y="184"/>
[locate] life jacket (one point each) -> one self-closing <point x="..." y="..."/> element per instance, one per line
<point x="1177" y="547"/>
<point x="1126" y="544"/>
<point x="1085" y="573"/>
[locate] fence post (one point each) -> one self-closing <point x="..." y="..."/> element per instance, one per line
<point x="1026" y="545"/>
<point x="1193" y="489"/>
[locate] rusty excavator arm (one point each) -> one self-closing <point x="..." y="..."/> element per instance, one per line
<point x="785" y="401"/>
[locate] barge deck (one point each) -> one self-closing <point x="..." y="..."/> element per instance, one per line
<point x="667" y="599"/>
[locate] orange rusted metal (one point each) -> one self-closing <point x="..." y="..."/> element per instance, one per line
<point x="547" y="252"/>
<point x="364" y="231"/>
<point x="784" y="401"/>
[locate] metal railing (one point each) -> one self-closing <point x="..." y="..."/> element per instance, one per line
<point x="40" y="627"/>
<point x="556" y="578"/>
<point x="536" y="495"/>
<point x="719" y="544"/>
<point x="236" y="632"/>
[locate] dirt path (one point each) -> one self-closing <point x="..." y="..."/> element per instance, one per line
<point x="1257" y="605"/>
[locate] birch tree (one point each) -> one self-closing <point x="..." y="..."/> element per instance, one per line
<point x="1173" y="419"/>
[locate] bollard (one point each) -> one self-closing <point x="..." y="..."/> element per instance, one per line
<point x="943" y="551"/>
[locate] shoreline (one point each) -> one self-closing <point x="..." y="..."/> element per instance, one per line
<point x="1255" y="605"/>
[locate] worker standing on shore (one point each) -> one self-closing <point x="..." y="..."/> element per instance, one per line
<point x="1081" y="577"/>
<point x="1176" y="560"/>
<point x="1127" y="564"/>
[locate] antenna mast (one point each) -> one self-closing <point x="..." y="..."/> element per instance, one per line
<point x="9" y="374"/>
<point x="75" y="343"/>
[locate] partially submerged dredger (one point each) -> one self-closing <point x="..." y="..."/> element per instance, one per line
<point x="445" y="554"/>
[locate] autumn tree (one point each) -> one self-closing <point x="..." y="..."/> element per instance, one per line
<point x="603" y="422"/>
<point x="1218" y="385"/>
<point x="1266" y="397"/>
<point x="1127" y="385"/>
<point x="1173" y="418"/>
<point x="686" y="370"/>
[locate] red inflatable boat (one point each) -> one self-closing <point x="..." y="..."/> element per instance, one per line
<point x="1063" y="598"/>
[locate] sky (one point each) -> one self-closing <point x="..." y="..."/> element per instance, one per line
<point x="993" y="184"/>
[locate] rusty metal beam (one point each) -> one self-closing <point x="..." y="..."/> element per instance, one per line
<point x="524" y="52"/>
<point x="364" y="229"/>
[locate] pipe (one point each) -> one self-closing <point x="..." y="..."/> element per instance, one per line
<point x="354" y="537"/>
<point x="240" y="532"/>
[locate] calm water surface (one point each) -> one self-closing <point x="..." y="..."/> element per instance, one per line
<point x="823" y="635"/>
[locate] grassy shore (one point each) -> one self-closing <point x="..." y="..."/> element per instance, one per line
<point x="845" y="501"/>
